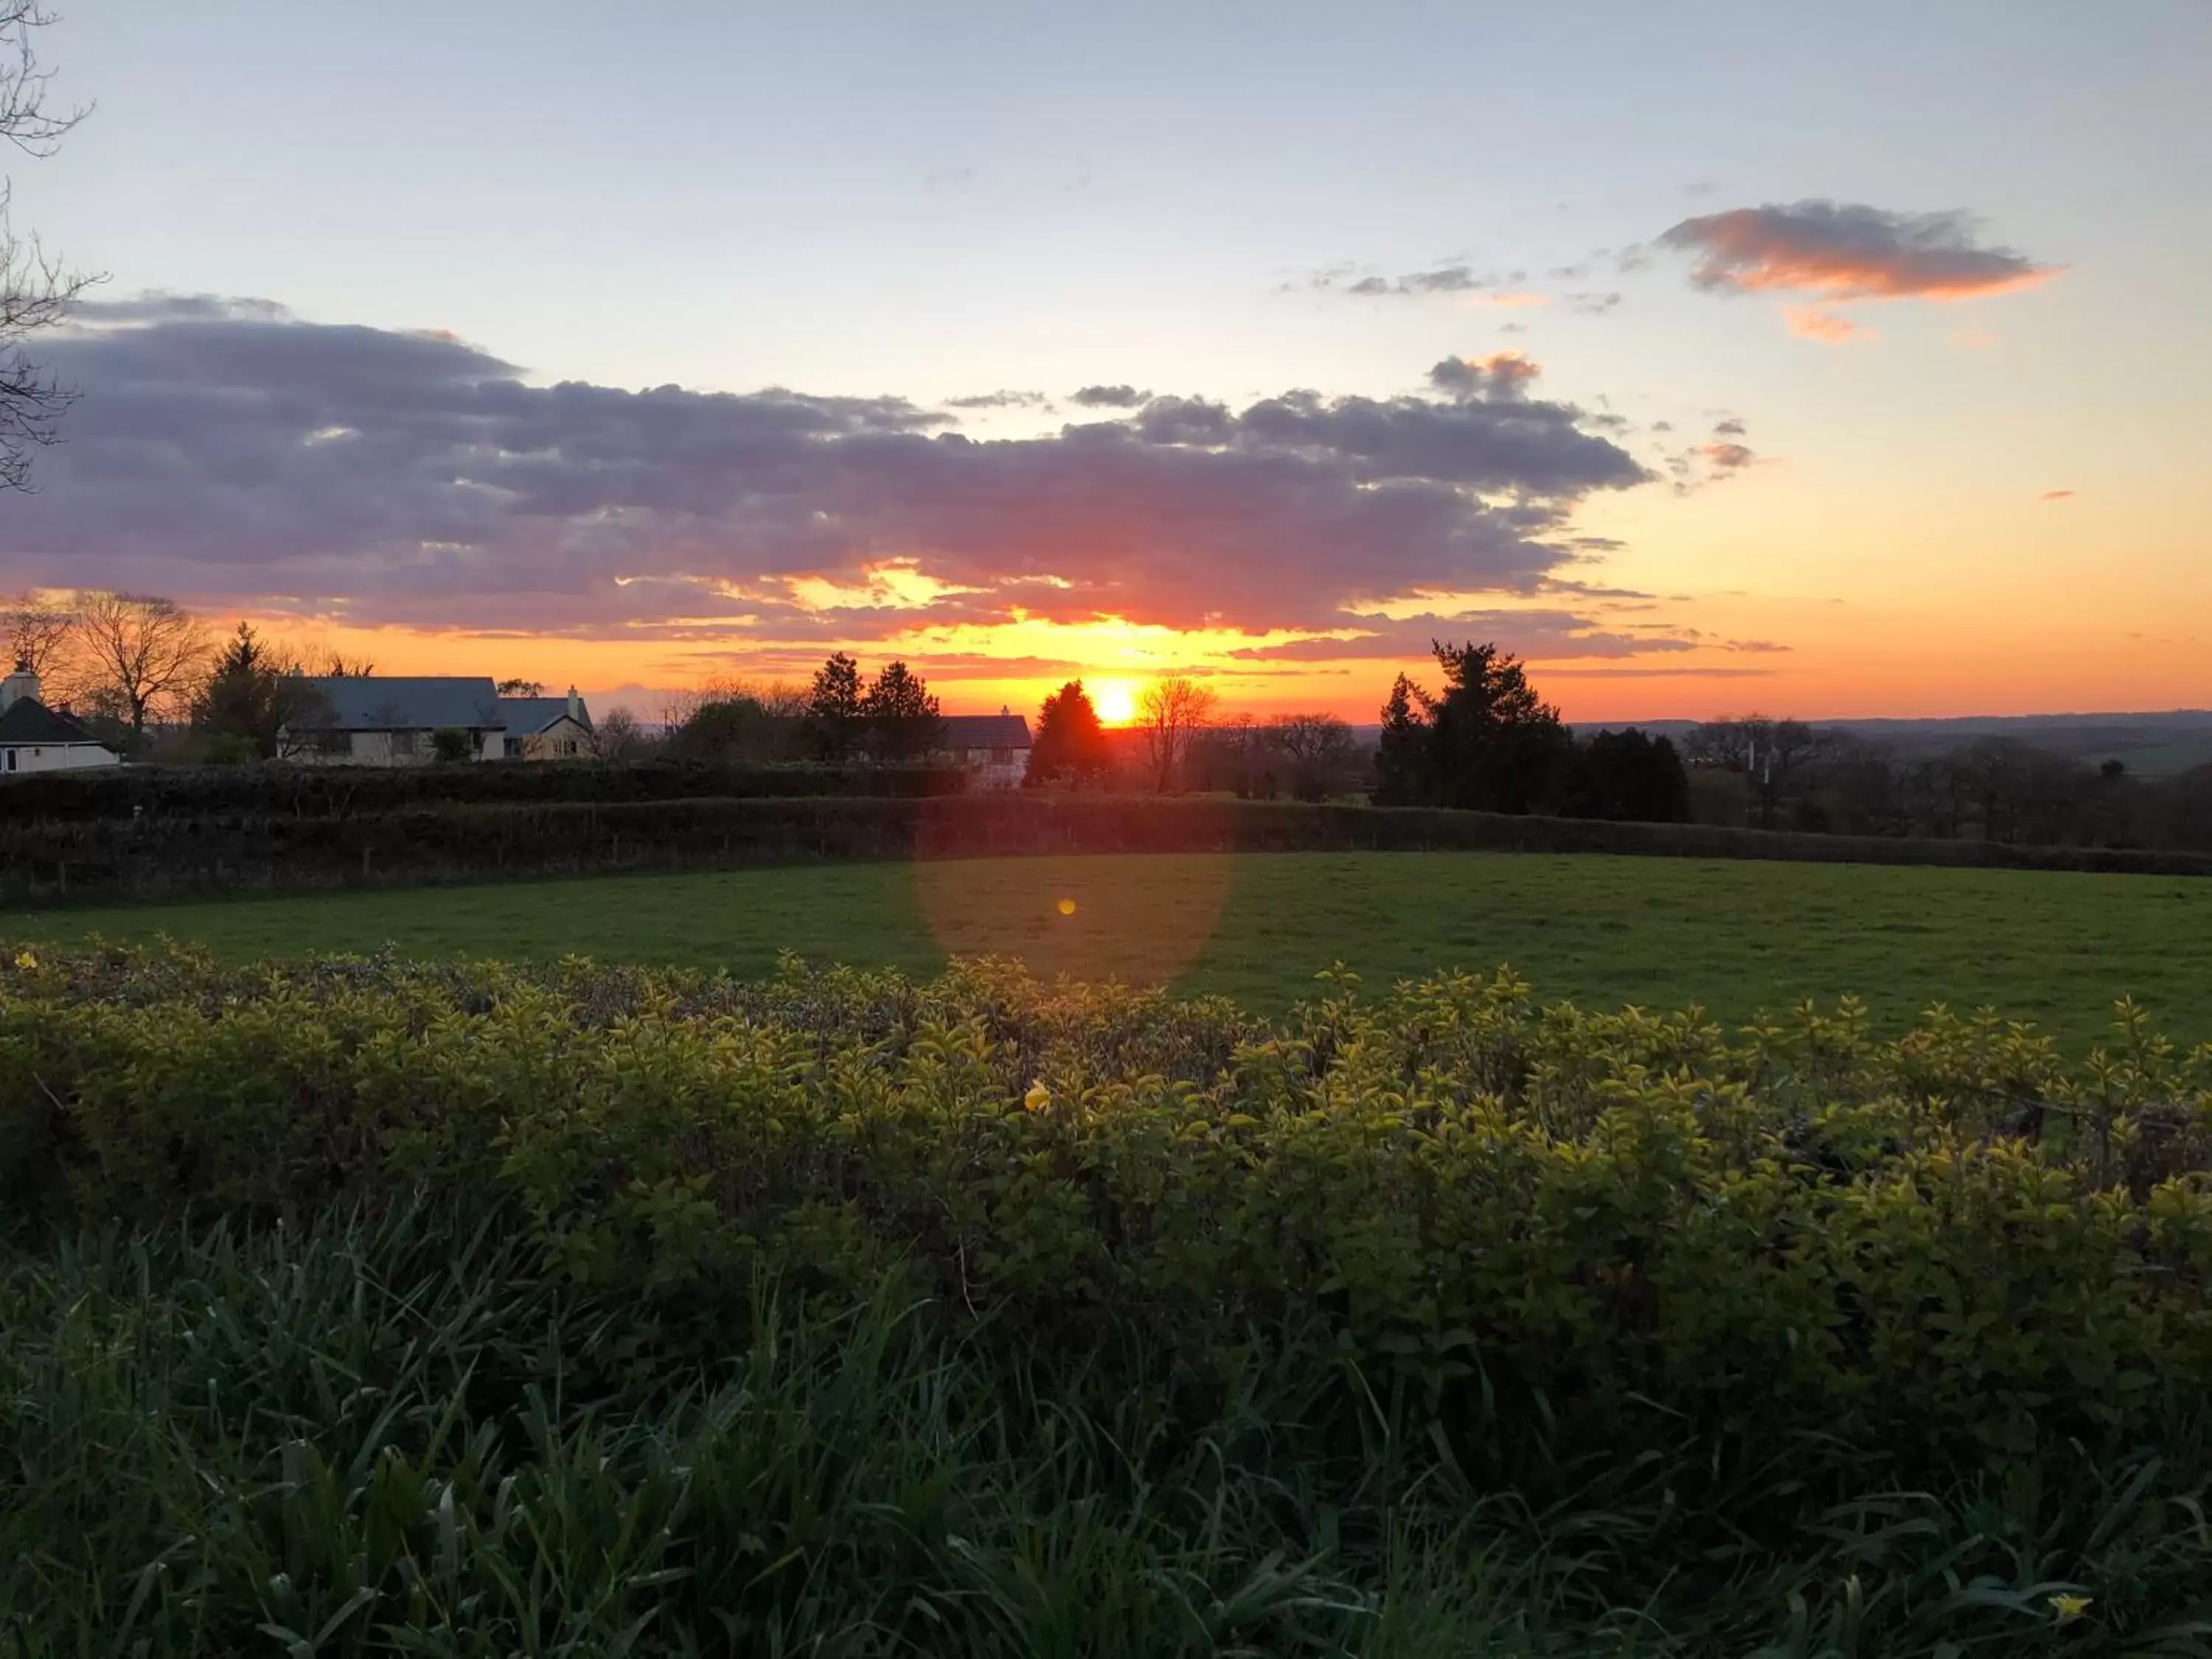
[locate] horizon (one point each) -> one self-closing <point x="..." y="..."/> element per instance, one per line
<point x="1068" y="346"/>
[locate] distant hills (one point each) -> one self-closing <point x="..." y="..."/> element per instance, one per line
<point x="2149" y="745"/>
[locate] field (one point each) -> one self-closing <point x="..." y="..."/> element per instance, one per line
<point x="1737" y="937"/>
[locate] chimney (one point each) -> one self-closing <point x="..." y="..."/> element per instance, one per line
<point x="575" y="705"/>
<point x="23" y="682"/>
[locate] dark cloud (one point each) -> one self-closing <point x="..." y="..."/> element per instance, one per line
<point x="1592" y="305"/>
<point x="1542" y="635"/>
<point x="1727" y="427"/>
<point x="220" y="450"/>
<point x="1110" y="397"/>
<point x="1847" y="250"/>
<point x="999" y="400"/>
<point x="1503" y="375"/>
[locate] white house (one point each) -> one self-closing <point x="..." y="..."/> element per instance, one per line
<point x="549" y="728"/>
<point x="994" y="748"/>
<point x="370" y="720"/>
<point x="34" y="738"/>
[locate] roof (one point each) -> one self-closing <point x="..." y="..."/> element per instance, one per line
<point x="985" y="731"/>
<point x="372" y="702"/>
<point x="28" y="720"/>
<point x="527" y="716"/>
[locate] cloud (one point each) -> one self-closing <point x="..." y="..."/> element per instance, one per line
<point x="1818" y="323"/>
<point x="1592" y="305"/>
<point x="367" y="476"/>
<point x="1847" y="250"/>
<point x="999" y="400"/>
<point x="1503" y="375"/>
<point x="1729" y="426"/>
<point x="1110" y="397"/>
<point x="2056" y="495"/>
<point x="1540" y="635"/>
<point x="1456" y="280"/>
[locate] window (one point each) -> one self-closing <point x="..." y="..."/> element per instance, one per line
<point x="11" y="760"/>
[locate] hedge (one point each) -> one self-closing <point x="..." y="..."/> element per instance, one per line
<point x="1635" y="1226"/>
<point x="177" y="854"/>
<point x="298" y="791"/>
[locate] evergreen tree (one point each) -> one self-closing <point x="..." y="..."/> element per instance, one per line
<point x="252" y="694"/>
<point x="1626" y="775"/>
<point x="900" y="715"/>
<point x="1401" y="759"/>
<point x="1495" y="746"/>
<point x="1069" y="744"/>
<point x="833" y="709"/>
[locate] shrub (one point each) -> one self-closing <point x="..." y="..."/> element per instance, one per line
<point x="1631" y="1227"/>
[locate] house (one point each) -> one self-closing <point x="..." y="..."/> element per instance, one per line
<point x="36" y="739"/>
<point x="370" y="720"/>
<point x="994" y="748"/>
<point x="549" y="728"/>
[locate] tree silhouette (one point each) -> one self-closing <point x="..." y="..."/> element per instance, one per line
<point x="1069" y="744"/>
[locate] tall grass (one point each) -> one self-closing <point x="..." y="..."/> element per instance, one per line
<point x="401" y="1435"/>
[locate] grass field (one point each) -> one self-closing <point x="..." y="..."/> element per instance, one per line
<point x="1737" y="937"/>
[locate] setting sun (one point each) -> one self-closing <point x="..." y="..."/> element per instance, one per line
<point x="1115" y="700"/>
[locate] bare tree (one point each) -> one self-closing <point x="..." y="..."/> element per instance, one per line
<point x="519" y="688"/>
<point x="34" y="634"/>
<point x="35" y="291"/>
<point x="619" y="736"/>
<point x="1319" y="748"/>
<point x="1174" y="709"/>
<point x="136" y="654"/>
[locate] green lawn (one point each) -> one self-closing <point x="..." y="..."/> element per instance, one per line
<point x="1735" y="936"/>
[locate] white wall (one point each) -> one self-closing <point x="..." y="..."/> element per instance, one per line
<point x="56" y="757"/>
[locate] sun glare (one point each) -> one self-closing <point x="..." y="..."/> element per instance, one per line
<point x="1115" y="700"/>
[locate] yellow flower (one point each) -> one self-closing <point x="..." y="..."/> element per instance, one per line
<point x="1038" y="1097"/>
<point x="2070" y="1607"/>
<point x="26" y="960"/>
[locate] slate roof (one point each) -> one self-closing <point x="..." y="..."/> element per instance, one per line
<point x="374" y="702"/>
<point x="527" y="716"/>
<point x="27" y="721"/>
<point x="965" y="731"/>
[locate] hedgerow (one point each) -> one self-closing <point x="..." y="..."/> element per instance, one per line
<point x="1624" y="1227"/>
<point x="221" y="850"/>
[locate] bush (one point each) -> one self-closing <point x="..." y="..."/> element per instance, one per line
<point x="1637" y="1225"/>
<point x="179" y="854"/>
<point x="310" y="791"/>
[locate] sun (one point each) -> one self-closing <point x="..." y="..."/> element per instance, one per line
<point x="1115" y="700"/>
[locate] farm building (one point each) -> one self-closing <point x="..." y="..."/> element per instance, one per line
<point x="994" y="748"/>
<point x="549" y="728"/>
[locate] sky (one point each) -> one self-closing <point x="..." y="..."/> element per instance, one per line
<point x="1823" y="363"/>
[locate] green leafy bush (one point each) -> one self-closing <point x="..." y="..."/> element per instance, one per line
<point x="1621" y="1225"/>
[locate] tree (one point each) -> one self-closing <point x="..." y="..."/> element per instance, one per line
<point x="1317" y="751"/>
<point x="36" y="292"/>
<point x="833" y="709"/>
<point x="899" y="714"/>
<point x="453" y="743"/>
<point x="1174" y="709"/>
<point x="1495" y="745"/>
<point x="253" y="694"/>
<point x="520" y="688"/>
<point x="1773" y="755"/>
<point x="1401" y="756"/>
<point x="620" y="738"/>
<point x="135" y="653"/>
<point x="1628" y="776"/>
<point x="1069" y="744"/>
<point x="34" y="634"/>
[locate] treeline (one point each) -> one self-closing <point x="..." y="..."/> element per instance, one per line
<point x="182" y="854"/>
<point x="1788" y="775"/>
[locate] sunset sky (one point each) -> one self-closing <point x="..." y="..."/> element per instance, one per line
<point x="1824" y="361"/>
